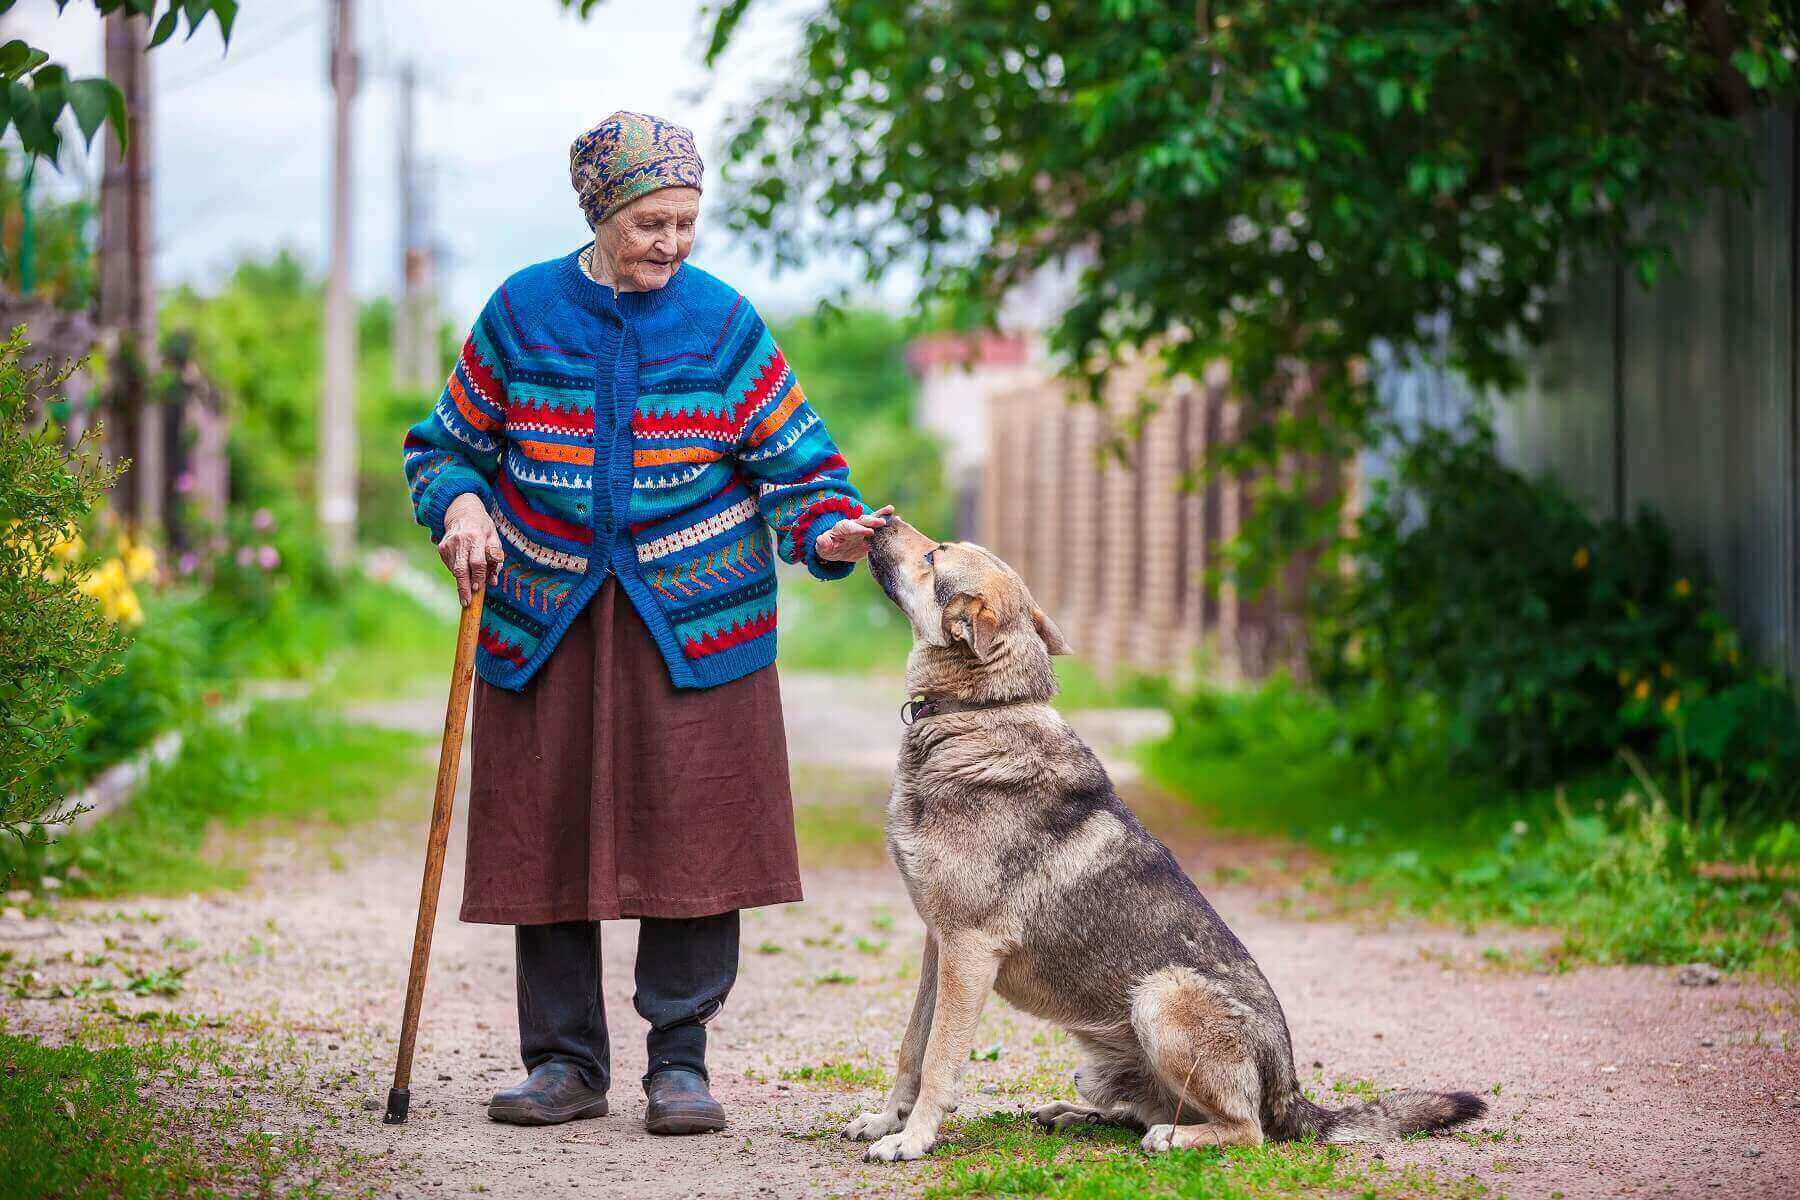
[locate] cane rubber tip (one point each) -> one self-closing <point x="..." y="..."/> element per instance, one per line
<point x="399" y="1099"/>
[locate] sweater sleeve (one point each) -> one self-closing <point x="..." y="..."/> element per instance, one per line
<point x="457" y="447"/>
<point x="802" y="483"/>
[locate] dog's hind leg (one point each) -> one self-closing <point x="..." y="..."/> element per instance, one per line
<point x="1200" y="1043"/>
<point x="874" y="1125"/>
<point x="1114" y="1084"/>
<point x="1062" y="1115"/>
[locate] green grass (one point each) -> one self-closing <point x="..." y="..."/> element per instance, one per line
<point x="838" y="1076"/>
<point x="1005" y="1155"/>
<point x="1602" y="860"/>
<point x="76" y="1122"/>
<point x="288" y="766"/>
<point x="845" y="627"/>
<point x="396" y="649"/>
<point x="1080" y="686"/>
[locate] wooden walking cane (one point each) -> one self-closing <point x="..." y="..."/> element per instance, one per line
<point x="462" y="676"/>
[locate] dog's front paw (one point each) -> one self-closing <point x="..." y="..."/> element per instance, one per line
<point x="900" y="1147"/>
<point x="870" y="1126"/>
<point x="1160" y="1139"/>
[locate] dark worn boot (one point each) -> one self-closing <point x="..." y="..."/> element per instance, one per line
<point x="680" y="1103"/>
<point x="554" y="1093"/>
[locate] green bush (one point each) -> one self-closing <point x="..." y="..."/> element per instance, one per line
<point x="154" y="689"/>
<point x="54" y="638"/>
<point x="1540" y="642"/>
<point x="852" y="364"/>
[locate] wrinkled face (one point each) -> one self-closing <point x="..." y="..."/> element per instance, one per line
<point x="644" y="243"/>
<point x="956" y="594"/>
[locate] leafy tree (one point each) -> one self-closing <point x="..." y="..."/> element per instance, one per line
<point x="63" y="268"/>
<point x="1277" y="183"/>
<point x="852" y="365"/>
<point x="54" y="637"/>
<point x="259" y="338"/>
<point x="34" y="92"/>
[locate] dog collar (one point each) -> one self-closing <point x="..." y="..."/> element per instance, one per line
<point x="920" y="707"/>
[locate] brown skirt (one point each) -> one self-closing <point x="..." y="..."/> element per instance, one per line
<point x="603" y="791"/>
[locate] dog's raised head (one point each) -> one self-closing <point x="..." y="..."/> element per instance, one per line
<point x="977" y="633"/>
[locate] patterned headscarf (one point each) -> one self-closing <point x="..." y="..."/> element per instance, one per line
<point x="626" y="156"/>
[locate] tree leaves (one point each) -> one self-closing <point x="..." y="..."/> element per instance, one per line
<point x="1289" y="184"/>
<point x="35" y="111"/>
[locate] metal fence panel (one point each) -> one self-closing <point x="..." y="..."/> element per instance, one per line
<point x="1682" y="397"/>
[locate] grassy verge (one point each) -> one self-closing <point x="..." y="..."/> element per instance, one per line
<point x="289" y="766"/>
<point x="78" y="1122"/>
<point x="1602" y="860"/>
<point x="845" y="627"/>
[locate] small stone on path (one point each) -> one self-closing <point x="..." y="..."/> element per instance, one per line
<point x="1697" y="974"/>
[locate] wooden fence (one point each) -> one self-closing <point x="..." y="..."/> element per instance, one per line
<point x="1113" y="537"/>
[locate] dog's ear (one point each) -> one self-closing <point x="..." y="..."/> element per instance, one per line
<point x="969" y="619"/>
<point x="1054" y="641"/>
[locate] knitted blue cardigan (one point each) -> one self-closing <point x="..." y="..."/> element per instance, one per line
<point x="656" y="436"/>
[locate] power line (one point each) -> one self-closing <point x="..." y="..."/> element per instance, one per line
<point x="238" y="57"/>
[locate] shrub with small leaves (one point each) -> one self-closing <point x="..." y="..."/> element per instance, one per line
<point x="55" y="635"/>
<point x="1547" y="641"/>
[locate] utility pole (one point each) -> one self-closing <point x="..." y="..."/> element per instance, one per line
<point x="337" y="404"/>
<point x="127" y="286"/>
<point x="415" y="362"/>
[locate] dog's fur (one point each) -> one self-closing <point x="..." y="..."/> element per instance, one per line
<point x="1035" y="880"/>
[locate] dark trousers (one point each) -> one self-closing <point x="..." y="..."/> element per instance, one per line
<point x="685" y="969"/>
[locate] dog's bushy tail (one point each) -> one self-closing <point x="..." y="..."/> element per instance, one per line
<point x="1391" y="1117"/>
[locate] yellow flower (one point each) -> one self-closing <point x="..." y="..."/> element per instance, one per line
<point x="1671" y="702"/>
<point x="1624" y="678"/>
<point x="107" y="581"/>
<point x="1581" y="559"/>
<point x="68" y="547"/>
<point x="1642" y="691"/>
<point x="123" y="607"/>
<point x="1683" y="587"/>
<point x="1668" y="670"/>
<point x="140" y="562"/>
<point x="1731" y="656"/>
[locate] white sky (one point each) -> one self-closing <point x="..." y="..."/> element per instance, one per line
<point x="241" y="141"/>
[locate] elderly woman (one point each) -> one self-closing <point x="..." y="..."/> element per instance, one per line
<point x="619" y="456"/>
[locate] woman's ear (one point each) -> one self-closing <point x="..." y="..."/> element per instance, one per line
<point x="1054" y="641"/>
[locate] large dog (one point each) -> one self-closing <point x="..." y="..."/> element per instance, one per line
<point x="1034" y="880"/>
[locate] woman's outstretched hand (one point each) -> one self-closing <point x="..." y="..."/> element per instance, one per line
<point x="848" y="540"/>
<point x="471" y="545"/>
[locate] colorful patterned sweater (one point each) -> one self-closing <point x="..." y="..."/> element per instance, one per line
<point x="656" y="436"/>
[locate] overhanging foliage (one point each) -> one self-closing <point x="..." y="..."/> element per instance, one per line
<point x="1277" y="183"/>
<point x="34" y="92"/>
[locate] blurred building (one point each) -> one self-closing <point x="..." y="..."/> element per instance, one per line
<point x="1100" y="506"/>
<point x="958" y="373"/>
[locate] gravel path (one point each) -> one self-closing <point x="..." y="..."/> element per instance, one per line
<point x="1603" y="1082"/>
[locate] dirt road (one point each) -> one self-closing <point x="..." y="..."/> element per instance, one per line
<point x="1603" y="1081"/>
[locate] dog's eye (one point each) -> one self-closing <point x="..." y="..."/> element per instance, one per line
<point x="930" y="554"/>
